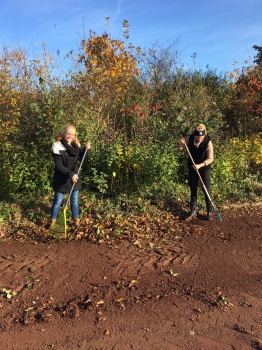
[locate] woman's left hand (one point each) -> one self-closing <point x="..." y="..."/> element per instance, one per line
<point x="88" y="145"/>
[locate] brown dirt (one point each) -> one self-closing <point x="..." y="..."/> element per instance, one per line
<point x="199" y="288"/>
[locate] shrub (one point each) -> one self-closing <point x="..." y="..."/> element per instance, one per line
<point x="233" y="172"/>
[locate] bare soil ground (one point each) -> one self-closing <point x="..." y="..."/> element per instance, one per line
<point x="198" y="288"/>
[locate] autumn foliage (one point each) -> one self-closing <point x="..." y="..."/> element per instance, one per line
<point x="131" y="109"/>
<point x="245" y="107"/>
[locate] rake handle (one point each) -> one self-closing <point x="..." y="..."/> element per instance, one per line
<point x="86" y="150"/>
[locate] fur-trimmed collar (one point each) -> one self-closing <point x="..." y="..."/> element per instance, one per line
<point x="58" y="148"/>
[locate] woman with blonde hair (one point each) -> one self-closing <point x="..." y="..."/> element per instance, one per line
<point x="201" y="148"/>
<point x="66" y="154"/>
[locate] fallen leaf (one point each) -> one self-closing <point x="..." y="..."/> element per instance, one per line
<point x="172" y="273"/>
<point x="119" y="300"/>
<point x="137" y="243"/>
<point x="29" y="308"/>
<point x="132" y="283"/>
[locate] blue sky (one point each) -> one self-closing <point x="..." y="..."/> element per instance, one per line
<point x="219" y="32"/>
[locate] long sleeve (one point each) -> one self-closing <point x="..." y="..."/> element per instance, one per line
<point x="60" y="166"/>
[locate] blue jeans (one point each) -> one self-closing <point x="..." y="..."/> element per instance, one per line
<point x="58" y="201"/>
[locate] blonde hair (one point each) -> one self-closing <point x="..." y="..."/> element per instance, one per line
<point x="62" y="134"/>
<point x="201" y="127"/>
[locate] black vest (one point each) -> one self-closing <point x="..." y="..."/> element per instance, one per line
<point x="199" y="154"/>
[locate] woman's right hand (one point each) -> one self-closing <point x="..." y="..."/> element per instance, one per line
<point x="183" y="140"/>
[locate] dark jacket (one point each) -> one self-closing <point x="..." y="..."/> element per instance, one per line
<point x="199" y="154"/>
<point x="66" y="165"/>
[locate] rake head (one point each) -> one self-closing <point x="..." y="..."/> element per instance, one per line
<point x="58" y="230"/>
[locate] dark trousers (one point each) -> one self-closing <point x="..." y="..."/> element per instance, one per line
<point x="194" y="179"/>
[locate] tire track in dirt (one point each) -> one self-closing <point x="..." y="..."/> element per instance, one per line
<point x="138" y="260"/>
<point x="20" y="270"/>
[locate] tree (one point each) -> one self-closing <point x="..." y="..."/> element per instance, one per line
<point x="104" y="77"/>
<point x="245" y="108"/>
<point x="258" y="57"/>
<point x="159" y="62"/>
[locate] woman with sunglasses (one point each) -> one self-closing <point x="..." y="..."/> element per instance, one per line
<point x="201" y="148"/>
